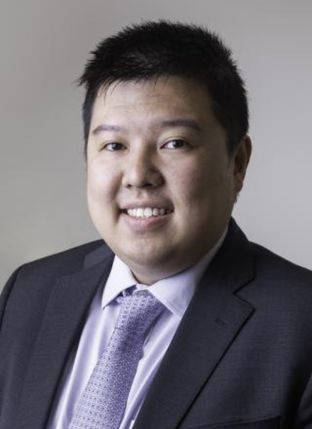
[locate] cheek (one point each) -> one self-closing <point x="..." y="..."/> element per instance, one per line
<point x="192" y="184"/>
<point x="101" y="191"/>
<point x="201" y="189"/>
<point x="101" y="183"/>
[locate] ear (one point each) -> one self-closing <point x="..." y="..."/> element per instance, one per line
<point x="241" y="160"/>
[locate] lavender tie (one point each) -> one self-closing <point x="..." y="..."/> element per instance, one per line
<point x="103" y="402"/>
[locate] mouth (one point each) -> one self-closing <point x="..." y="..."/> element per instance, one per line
<point x="146" y="212"/>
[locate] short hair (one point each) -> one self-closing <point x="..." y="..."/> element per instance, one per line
<point x="161" y="48"/>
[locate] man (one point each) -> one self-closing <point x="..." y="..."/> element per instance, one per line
<point x="227" y="324"/>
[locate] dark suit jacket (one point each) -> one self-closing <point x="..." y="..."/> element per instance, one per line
<point x="241" y="357"/>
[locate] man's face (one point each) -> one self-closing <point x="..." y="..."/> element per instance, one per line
<point x="161" y="184"/>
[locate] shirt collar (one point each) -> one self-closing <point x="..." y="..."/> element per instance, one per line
<point x="174" y="292"/>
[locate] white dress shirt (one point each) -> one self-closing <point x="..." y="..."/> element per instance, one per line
<point x="174" y="292"/>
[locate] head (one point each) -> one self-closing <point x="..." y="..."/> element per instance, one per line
<point x="160" y="49"/>
<point x="165" y="119"/>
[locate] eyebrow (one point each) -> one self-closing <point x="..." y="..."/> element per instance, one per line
<point x="181" y="122"/>
<point x="178" y="122"/>
<point x="106" y="127"/>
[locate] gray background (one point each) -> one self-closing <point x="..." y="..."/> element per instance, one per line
<point x="44" y="45"/>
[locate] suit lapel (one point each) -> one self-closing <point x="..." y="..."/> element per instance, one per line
<point x="60" y="331"/>
<point x="209" y="326"/>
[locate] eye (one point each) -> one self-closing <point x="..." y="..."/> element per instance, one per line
<point x="113" y="147"/>
<point x="175" y="144"/>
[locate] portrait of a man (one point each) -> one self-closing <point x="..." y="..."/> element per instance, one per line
<point x="174" y="319"/>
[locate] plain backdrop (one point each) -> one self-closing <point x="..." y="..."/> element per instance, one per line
<point x="44" y="45"/>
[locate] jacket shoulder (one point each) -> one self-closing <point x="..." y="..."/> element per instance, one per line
<point x="280" y="290"/>
<point x="34" y="281"/>
<point x="274" y="265"/>
<point x="62" y="263"/>
<point x="40" y="274"/>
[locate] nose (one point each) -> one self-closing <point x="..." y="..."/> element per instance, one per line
<point x="141" y="171"/>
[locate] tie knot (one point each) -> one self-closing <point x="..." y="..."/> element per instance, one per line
<point x="138" y="311"/>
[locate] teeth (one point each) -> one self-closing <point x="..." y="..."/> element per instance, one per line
<point x="139" y="212"/>
<point x="146" y="212"/>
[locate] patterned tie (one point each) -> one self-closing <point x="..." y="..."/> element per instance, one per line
<point x="103" y="402"/>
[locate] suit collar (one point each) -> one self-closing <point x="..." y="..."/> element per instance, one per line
<point x="215" y="316"/>
<point x="101" y="254"/>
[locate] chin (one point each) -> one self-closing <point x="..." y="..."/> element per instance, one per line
<point x="140" y="256"/>
<point x="145" y="260"/>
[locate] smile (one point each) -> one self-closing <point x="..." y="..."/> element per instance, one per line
<point x="147" y="212"/>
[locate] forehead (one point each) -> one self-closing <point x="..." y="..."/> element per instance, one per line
<point x="163" y="96"/>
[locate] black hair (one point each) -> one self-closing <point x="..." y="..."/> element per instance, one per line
<point x="162" y="48"/>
